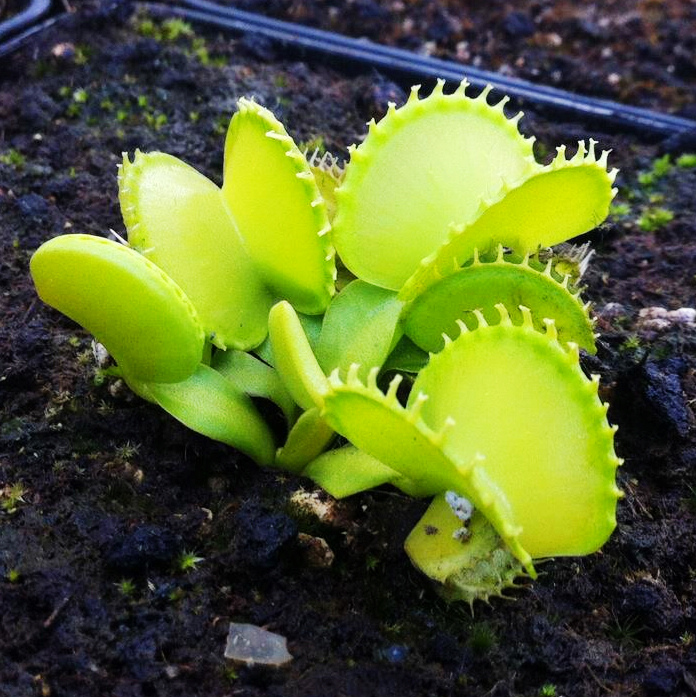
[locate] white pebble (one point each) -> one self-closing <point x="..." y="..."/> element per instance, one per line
<point x="250" y="644"/>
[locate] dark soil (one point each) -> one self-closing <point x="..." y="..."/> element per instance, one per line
<point x="637" y="52"/>
<point x="93" y="597"/>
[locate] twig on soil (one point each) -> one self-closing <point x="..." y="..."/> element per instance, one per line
<point x="57" y="610"/>
<point x="633" y="501"/>
<point x="29" y="312"/>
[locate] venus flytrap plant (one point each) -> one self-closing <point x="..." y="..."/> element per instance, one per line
<point x="439" y="217"/>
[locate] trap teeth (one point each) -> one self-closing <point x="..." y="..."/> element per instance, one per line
<point x="393" y="387"/>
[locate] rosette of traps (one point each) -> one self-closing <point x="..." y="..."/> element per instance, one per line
<point x="445" y="352"/>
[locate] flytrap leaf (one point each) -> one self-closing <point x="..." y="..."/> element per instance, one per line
<point x="255" y="378"/>
<point x="274" y="200"/>
<point x="308" y="438"/>
<point x="399" y="438"/>
<point x="210" y="404"/>
<point x="328" y="174"/>
<point x="545" y="206"/>
<point x="346" y="471"/>
<point x="130" y="305"/>
<point x="477" y="566"/>
<point x="483" y="283"/>
<point x="176" y="217"/>
<point x="525" y="404"/>
<point x="293" y="357"/>
<point x="361" y="326"/>
<point x="423" y="167"/>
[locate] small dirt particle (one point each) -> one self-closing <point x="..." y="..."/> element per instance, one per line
<point x="33" y="206"/>
<point x="519" y="24"/>
<point x="262" y="536"/>
<point x="141" y="549"/>
<point x="650" y="608"/>
<point x="316" y="551"/>
<point x="663" y="679"/>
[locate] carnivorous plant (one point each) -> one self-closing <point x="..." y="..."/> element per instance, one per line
<point x="448" y="361"/>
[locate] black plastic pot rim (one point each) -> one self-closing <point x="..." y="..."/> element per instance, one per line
<point x="30" y="15"/>
<point x="401" y="65"/>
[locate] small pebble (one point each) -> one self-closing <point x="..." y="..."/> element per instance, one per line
<point x="252" y="645"/>
<point x="612" y="311"/>
<point x="396" y="653"/>
<point x="661" y="319"/>
<point x="316" y="551"/>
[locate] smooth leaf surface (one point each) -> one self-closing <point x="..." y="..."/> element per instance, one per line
<point x="274" y="200"/>
<point x="177" y="219"/>
<point x="293" y="357"/>
<point x="309" y="436"/>
<point x="524" y="402"/>
<point x="142" y="316"/>
<point x="361" y="326"/>
<point x="346" y="471"/>
<point x="210" y="404"/>
<point x="422" y="167"/>
<point x="255" y="378"/>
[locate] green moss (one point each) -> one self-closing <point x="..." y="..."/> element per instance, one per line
<point x="654" y="218"/>
<point x="155" y="120"/>
<point x="188" y="561"/>
<point x="126" y="587"/>
<point x="631" y="344"/>
<point x="11" y="497"/>
<point x="13" y="158"/>
<point x="660" y="167"/>
<point x="146" y="27"/>
<point x="619" y="210"/>
<point x="127" y="451"/>
<point x="174" y="28"/>
<point x="482" y="638"/>
<point x="79" y="98"/>
<point x="83" y="54"/>
<point x="686" y="161"/>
